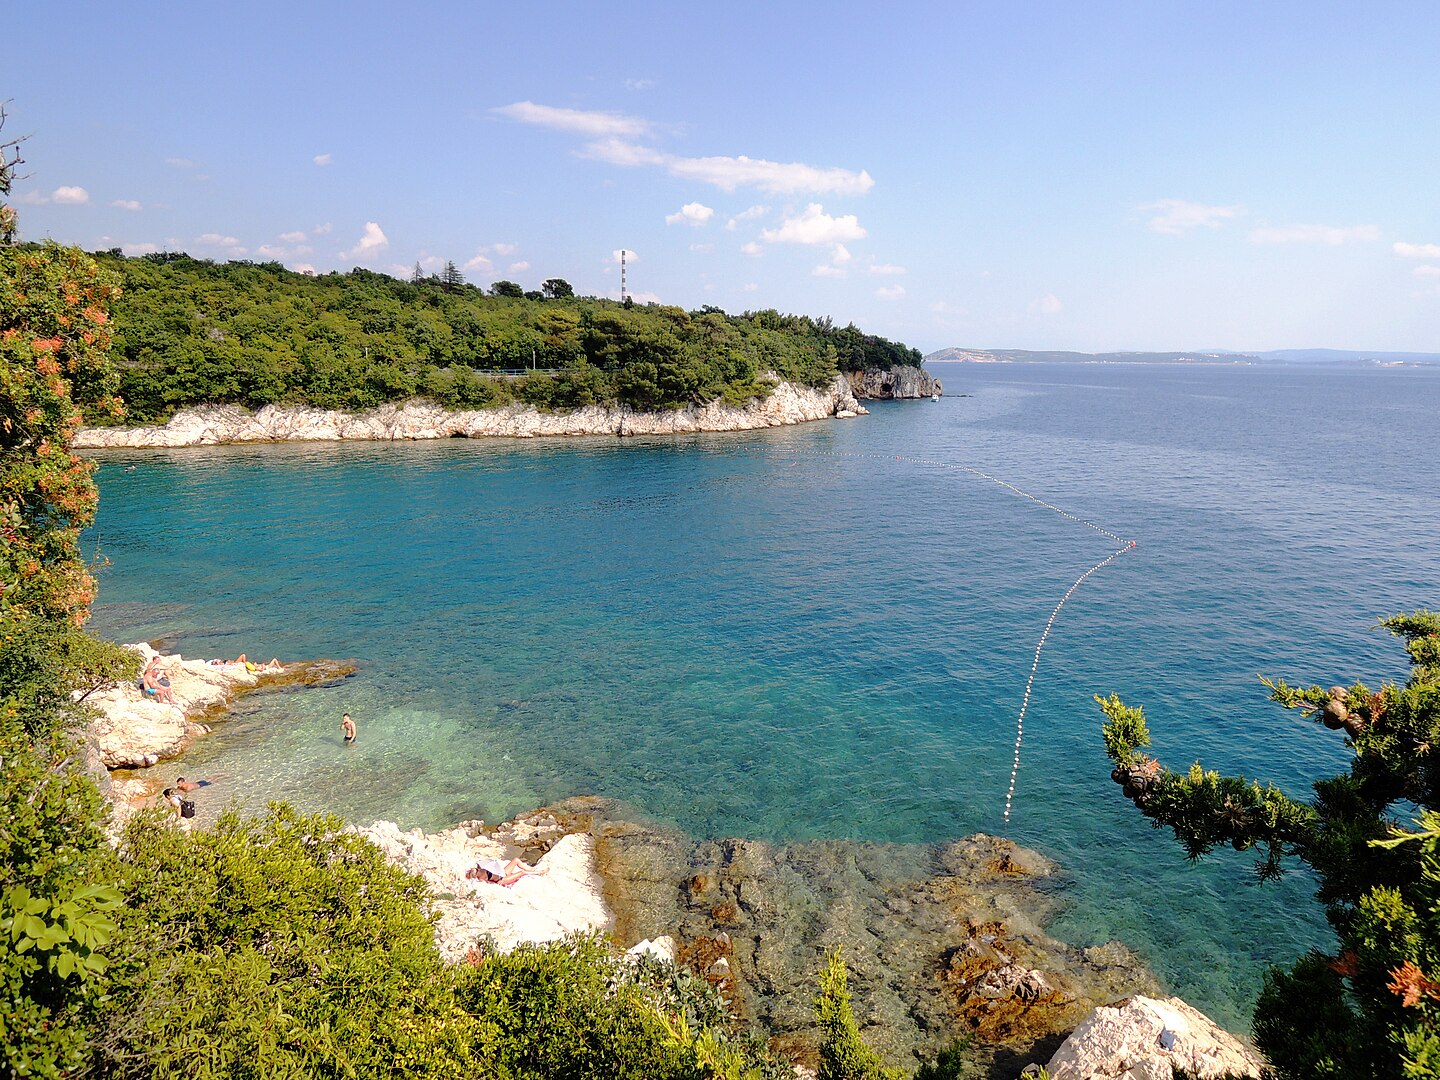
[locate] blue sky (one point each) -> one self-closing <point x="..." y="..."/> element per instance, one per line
<point x="1096" y="176"/>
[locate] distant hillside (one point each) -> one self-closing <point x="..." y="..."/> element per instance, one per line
<point x="1219" y="356"/>
<point x="1026" y="356"/>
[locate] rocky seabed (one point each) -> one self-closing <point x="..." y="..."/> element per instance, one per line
<point x="214" y="425"/>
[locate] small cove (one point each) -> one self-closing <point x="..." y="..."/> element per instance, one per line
<point x="742" y="635"/>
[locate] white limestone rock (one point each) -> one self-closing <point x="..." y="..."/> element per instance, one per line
<point x="1141" y="1038"/>
<point x="211" y="425"/>
<point x="566" y="899"/>
<point x="136" y="731"/>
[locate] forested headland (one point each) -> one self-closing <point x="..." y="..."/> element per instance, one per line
<point x="190" y="332"/>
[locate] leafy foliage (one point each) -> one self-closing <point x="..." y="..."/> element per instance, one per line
<point x="1373" y="1008"/>
<point x="843" y="1053"/>
<point x="189" y="331"/>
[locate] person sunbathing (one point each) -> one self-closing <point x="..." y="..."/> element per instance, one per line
<point x="154" y="682"/>
<point x="503" y="873"/>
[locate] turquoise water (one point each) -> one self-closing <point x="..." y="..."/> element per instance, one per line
<point x="746" y="634"/>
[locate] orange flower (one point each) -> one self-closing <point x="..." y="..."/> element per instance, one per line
<point x="46" y="344"/>
<point x="1409" y="983"/>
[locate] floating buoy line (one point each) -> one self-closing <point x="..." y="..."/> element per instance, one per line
<point x="1125" y="546"/>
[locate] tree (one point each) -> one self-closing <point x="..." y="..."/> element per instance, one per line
<point x="417" y="276"/>
<point x="556" y="289"/>
<point x="452" y="278"/>
<point x="508" y="289"/>
<point x="843" y="1054"/>
<point x="56" y="871"/>
<point x="1372" y="1009"/>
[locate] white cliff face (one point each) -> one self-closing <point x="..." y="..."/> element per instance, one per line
<point x="212" y="425"/>
<point x="1143" y="1038"/>
<point x="899" y="382"/>
<point x="567" y="898"/>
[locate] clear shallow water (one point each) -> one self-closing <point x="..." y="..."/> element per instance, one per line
<point x="746" y="635"/>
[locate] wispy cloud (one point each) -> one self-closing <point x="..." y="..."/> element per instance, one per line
<point x="702" y="249"/>
<point x="639" y="84"/>
<point x="296" y="237"/>
<point x="887" y="269"/>
<point x="126" y="204"/>
<point x="890" y="292"/>
<point x="139" y="249"/>
<point x="1049" y="304"/>
<point x="590" y="124"/>
<point x="519" y="267"/>
<point x="180" y="163"/>
<point x="729" y="173"/>
<point x="322" y="159"/>
<point x="746" y="215"/>
<point x="1426" y="271"/>
<point x="1177" y="217"/>
<point x="829" y="270"/>
<point x="751" y="248"/>
<point x="1416" y="251"/>
<point x="1331" y="235"/>
<point x="218" y="240"/>
<point x="61" y="196"/>
<point x="814" y="226"/>
<point x="693" y="214"/>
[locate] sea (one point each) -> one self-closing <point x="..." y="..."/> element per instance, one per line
<point x="824" y="631"/>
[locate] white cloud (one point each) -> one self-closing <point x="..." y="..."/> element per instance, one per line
<point x="1049" y="304"/>
<point x="180" y="163"/>
<point x="373" y="239"/>
<point x="219" y="240"/>
<point x="747" y="215"/>
<point x="826" y="270"/>
<point x="1177" y="217"/>
<point x="518" y="267"/>
<point x="322" y="159"/>
<point x="1426" y="271"/>
<point x="749" y="286"/>
<point x="888" y="269"/>
<point x="644" y="297"/>
<point x="504" y="249"/>
<point x="1416" y="251"/>
<point x="479" y="262"/>
<point x="592" y="124"/>
<point x="139" y="249"/>
<point x="272" y="252"/>
<point x="631" y="258"/>
<point x="1332" y="235"/>
<point x="729" y="173"/>
<point x="814" y="226"/>
<point x="890" y="292"/>
<point x="323" y="230"/>
<point x="70" y="196"/>
<point x="840" y="255"/>
<point x="126" y="204"/>
<point x="702" y="249"/>
<point x="303" y="268"/>
<point x="752" y="248"/>
<point x="693" y="214"/>
<point x="296" y="237"/>
<point x="639" y="84"/>
<point x="33" y="198"/>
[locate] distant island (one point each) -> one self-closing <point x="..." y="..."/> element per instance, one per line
<point x="1275" y="356"/>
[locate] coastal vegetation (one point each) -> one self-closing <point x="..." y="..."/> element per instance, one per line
<point x="1372" y="838"/>
<point x="191" y="331"/>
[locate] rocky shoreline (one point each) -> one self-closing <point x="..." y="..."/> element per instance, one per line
<point x="213" y="425"/>
<point x="942" y="941"/>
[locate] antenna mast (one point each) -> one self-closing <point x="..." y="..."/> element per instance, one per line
<point x="622" y="275"/>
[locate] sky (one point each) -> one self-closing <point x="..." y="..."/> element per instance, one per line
<point x="1099" y="176"/>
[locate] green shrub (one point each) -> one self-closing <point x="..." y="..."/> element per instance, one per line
<point x="843" y="1054"/>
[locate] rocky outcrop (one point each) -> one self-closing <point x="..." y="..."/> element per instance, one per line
<point x="898" y="382"/>
<point x="216" y="424"/>
<point x="565" y="899"/>
<point x="135" y="730"/>
<point x="1143" y="1038"/>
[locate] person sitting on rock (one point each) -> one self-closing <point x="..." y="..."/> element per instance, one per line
<point x="503" y="873"/>
<point x="153" y="681"/>
<point x="173" y="797"/>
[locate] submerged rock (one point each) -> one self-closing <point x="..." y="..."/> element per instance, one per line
<point x="1142" y="1038"/>
<point x="940" y="942"/>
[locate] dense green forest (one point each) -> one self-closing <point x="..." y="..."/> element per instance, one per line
<point x="190" y="331"/>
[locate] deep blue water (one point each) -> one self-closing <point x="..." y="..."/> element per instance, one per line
<point x="794" y="633"/>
